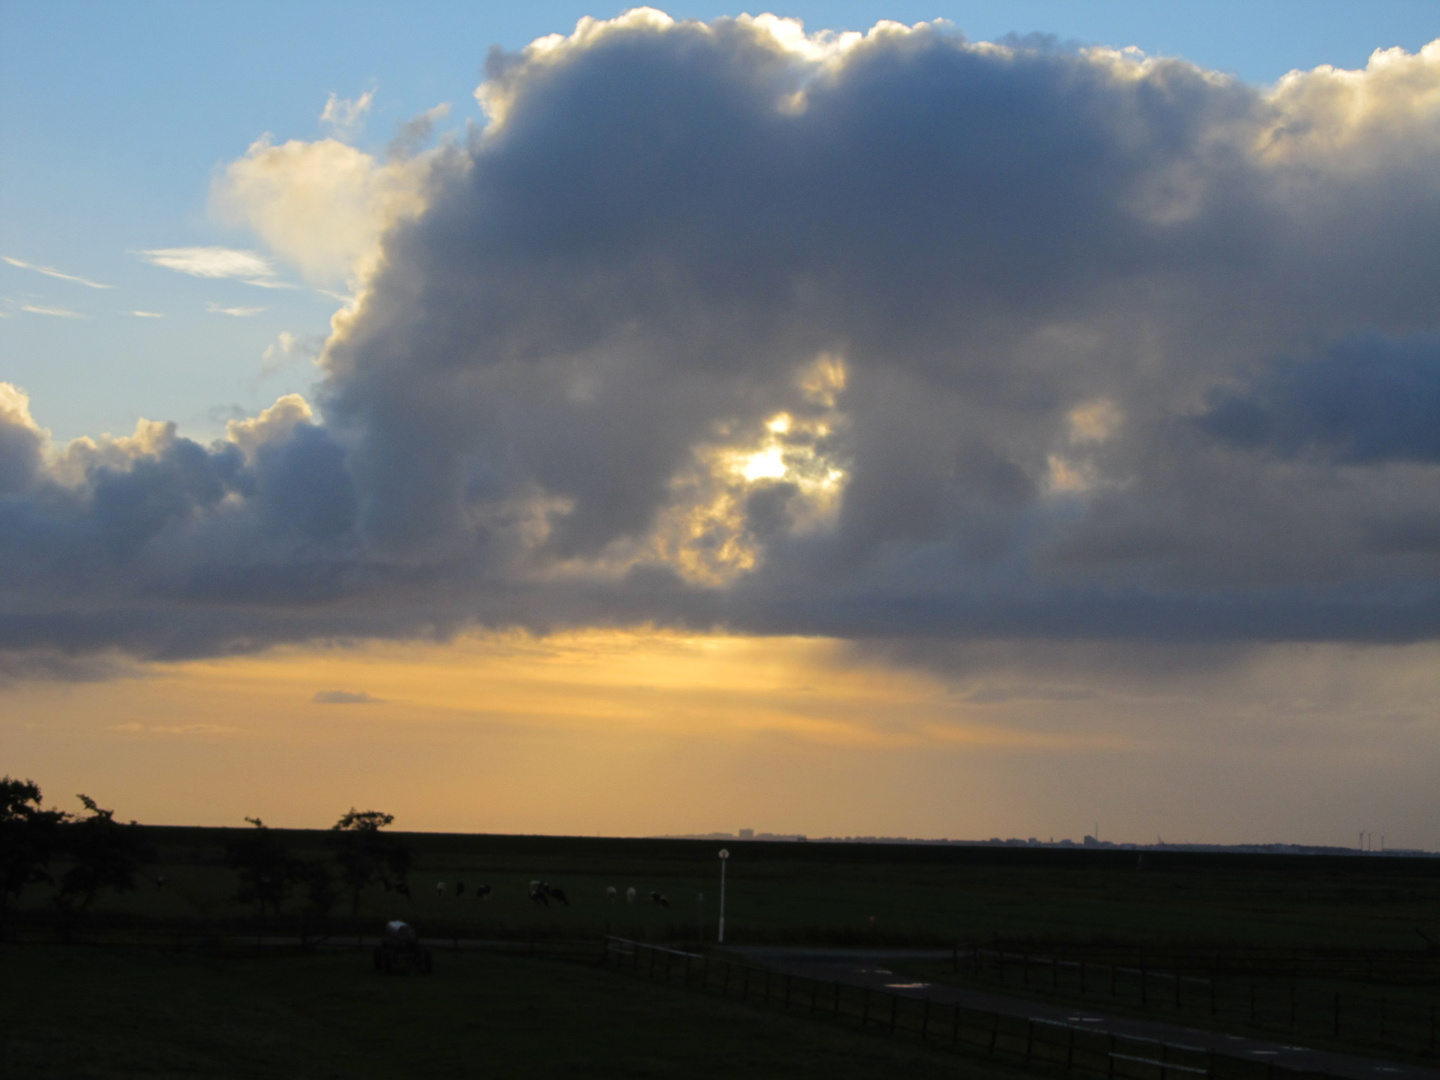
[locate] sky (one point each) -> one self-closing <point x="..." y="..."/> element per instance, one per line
<point x="961" y="420"/>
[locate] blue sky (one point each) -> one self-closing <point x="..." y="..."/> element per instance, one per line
<point x="116" y="117"/>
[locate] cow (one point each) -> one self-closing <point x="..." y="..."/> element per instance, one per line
<point x="482" y="892"/>
<point x="610" y="893"/>
<point x="630" y="895"/>
<point x="439" y="888"/>
<point x="459" y="889"/>
<point x="558" y="895"/>
<point x="659" y="898"/>
<point x="539" y="894"/>
<point x="403" y="889"/>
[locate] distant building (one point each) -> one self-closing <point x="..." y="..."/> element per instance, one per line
<point x="747" y="834"/>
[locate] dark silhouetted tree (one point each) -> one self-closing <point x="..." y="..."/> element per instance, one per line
<point x="104" y="854"/>
<point x="27" y="840"/>
<point x="367" y="856"/>
<point x="320" y="897"/>
<point x="267" y="872"/>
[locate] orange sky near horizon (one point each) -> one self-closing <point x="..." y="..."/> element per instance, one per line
<point x="650" y="732"/>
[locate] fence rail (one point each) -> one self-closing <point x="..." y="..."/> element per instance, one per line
<point x="1408" y="1027"/>
<point x="1036" y="1041"/>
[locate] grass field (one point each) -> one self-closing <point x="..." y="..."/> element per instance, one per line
<point x="88" y="1012"/>
<point x="1314" y="926"/>
<point x="837" y="893"/>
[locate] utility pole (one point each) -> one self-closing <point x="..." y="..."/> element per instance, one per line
<point x="724" y="857"/>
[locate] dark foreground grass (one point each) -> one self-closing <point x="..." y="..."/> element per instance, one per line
<point x="90" y="1012"/>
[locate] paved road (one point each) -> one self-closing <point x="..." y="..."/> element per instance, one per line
<point x="870" y="967"/>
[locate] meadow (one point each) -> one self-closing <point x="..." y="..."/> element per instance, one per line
<point x="182" y="963"/>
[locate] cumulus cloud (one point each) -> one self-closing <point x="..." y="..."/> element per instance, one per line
<point x="321" y="206"/>
<point x="287" y="348"/>
<point x="889" y="336"/>
<point x="416" y="132"/>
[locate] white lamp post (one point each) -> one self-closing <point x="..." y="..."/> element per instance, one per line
<point x="724" y="855"/>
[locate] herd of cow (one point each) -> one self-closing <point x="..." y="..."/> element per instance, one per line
<point x="541" y="893"/>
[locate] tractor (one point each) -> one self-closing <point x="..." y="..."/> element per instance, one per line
<point x="400" y="951"/>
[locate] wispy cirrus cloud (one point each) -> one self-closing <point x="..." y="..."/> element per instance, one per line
<point x="345" y="697"/>
<point x="50" y="271"/>
<point x="217" y="262"/>
<point x="134" y="728"/>
<point x="236" y="312"/>
<point x="54" y="312"/>
<point x="147" y="314"/>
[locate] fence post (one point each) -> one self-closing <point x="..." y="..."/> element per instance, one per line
<point x="994" y="1031"/>
<point x="925" y="1022"/>
<point x="894" y="1005"/>
<point x="1029" y="1039"/>
<point x="1143" y="1001"/>
<point x="865" y="1009"/>
<point x="1082" y="976"/>
<point x="1025" y="970"/>
<point x="1070" y="1051"/>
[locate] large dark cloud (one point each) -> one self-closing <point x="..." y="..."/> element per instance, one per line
<point x="1004" y="318"/>
<point x="1366" y="400"/>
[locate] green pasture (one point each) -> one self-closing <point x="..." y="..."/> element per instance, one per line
<point x="838" y="893"/>
<point x="108" y="1012"/>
